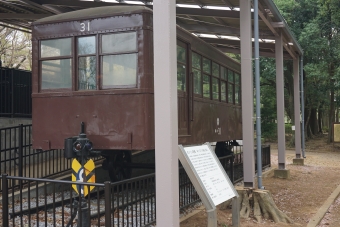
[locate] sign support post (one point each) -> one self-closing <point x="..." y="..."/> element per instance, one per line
<point x="235" y="211"/>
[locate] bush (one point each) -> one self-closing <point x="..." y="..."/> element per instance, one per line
<point x="288" y="129"/>
<point x="269" y="131"/>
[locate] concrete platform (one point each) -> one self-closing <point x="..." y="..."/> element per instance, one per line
<point x="299" y="161"/>
<point x="282" y="173"/>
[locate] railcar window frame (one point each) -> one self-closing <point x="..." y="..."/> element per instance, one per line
<point x="42" y="59"/>
<point x="104" y="54"/>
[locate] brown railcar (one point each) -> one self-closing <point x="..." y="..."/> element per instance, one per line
<point x="96" y="66"/>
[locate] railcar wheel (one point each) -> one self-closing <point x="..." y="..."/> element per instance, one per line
<point x="117" y="166"/>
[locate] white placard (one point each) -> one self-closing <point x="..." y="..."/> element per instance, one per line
<point x="211" y="173"/>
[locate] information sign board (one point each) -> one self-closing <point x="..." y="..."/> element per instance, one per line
<point x="210" y="172"/>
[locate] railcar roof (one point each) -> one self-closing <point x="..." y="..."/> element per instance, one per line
<point x="94" y="13"/>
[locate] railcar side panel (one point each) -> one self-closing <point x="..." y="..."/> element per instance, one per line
<point x="118" y="121"/>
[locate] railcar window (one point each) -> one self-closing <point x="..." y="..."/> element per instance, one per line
<point x="119" y="63"/>
<point x="215" y="81"/>
<point x="206" y="77"/>
<point x="223" y="73"/>
<point x="55" y="48"/>
<point x="196" y="61"/>
<point x="87" y="73"/>
<point x="230" y="86"/>
<point x="223" y="91"/>
<point x="215" y="88"/>
<point x="56" y="70"/>
<point x="206" y="86"/>
<point x="181" y="70"/>
<point x="119" y="42"/>
<point x="119" y="70"/>
<point x="86" y="45"/>
<point x="197" y="73"/>
<point x="181" y="75"/>
<point x="237" y="89"/>
<point x="56" y="74"/>
<point x="215" y="69"/>
<point x="206" y="66"/>
<point x="224" y="79"/>
<point x="87" y="69"/>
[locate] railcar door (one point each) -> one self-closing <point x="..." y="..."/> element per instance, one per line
<point x="183" y="88"/>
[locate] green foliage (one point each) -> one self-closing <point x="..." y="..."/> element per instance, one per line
<point x="269" y="131"/>
<point x="316" y="25"/>
<point x="288" y="129"/>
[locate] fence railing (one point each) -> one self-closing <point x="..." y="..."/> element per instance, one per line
<point x="17" y="158"/>
<point x="15" y="93"/>
<point x="126" y="203"/>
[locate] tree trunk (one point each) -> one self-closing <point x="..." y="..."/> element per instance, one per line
<point x="307" y="133"/>
<point x="314" y="122"/>
<point x="263" y="205"/>
<point x="331" y="105"/>
<point x="320" y="116"/>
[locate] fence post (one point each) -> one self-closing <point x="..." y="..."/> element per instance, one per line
<point x="4" y="200"/>
<point x="269" y="157"/>
<point x="107" y="194"/>
<point x="232" y="168"/>
<point x="21" y="149"/>
<point x="12" y="96"/>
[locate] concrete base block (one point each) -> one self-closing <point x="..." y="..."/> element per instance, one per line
<point x="282" y="173"/>
<point x="298" y="161"/>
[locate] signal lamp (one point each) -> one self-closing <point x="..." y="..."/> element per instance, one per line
<point x="88" y="145"/>
<point x="77" y="146"/>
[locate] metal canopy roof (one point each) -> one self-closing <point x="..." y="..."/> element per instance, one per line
<point x="215" y="21"/>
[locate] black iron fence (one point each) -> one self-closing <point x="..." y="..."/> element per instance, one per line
<point x="17" y="158"/>
<point x="126" y="203"/>
<point x="15" y="93"/>
<point x="55" y="203"/>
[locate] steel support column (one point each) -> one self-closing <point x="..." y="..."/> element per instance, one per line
<point x="247" y="93"/>
<point x="297" y="107"/>
<point x="302" y="108"/>
<point x="280" y="102"/>
<point x="166" y="129"/>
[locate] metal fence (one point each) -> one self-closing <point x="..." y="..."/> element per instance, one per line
<point x="15" y="93"/>
<point x="17" y="158"/>
<point x="126" y="203"/>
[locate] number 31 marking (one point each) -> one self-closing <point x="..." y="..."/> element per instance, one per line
<point x="83" y="27"/>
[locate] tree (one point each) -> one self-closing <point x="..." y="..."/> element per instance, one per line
<point x="15" y="49"/>
<point x="316" y="24"/>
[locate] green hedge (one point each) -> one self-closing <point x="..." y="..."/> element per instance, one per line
<point x="269" y="130"/>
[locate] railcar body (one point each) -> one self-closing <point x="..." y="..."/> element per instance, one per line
<point x="96" y="66"/>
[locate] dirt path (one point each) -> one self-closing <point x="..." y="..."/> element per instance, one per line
<point x="299" y="197"/>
